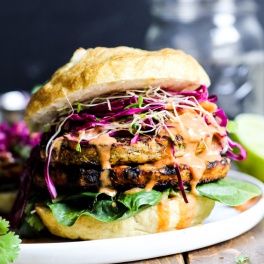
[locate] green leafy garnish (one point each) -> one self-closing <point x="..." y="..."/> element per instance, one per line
<point x="68" y="208"/>
<point x="9" y="243"/>
<point x="140" y="101"/>
<point x="242" y="259"/>
<point x="32" y="217"/>
<point x="79" y="107"/>
<point x="3" y="226"/>
<point x="229" y="191"/>
<point x="78" y="147"/>
<point x="102" y="207"/>
<point x="136" y="105"/>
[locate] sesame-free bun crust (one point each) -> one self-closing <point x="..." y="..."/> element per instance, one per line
<point x="170" y="214"/>
<point x="93" y="72"/>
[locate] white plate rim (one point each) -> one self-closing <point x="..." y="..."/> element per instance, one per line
<point x="118" y="250"/>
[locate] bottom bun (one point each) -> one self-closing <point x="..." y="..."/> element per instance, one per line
<point x="170" y="214"/>
<point x="7" y="200"/>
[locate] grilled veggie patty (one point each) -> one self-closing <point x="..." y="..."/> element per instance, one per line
<point x="125" y="177"/>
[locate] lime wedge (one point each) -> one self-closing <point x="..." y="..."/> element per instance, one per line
<point x="250" y="134"/>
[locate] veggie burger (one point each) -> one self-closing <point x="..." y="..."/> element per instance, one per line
<point x="132" y="145"/>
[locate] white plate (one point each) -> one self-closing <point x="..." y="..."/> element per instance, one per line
<point x="224" y="223"/>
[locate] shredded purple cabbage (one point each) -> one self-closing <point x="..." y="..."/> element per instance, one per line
<point x="124" y="109"/>
<point x="133" y="100"/>
<point x="89" y="125"/>
<point x="119" y="133"/>
<point x="16" y="140"/>
<point x="200" y="94"/>
<point x="149" y="121"/>
<point x="176" y="166"/>
<point x="49" y="182"/>
<point x="134" y="139"/>
<point x="220" y="117"/>
<point x="131" y="111"/>
<point x="103" y="109"/>
<point x="212" y="98"/>
<point x="19" y="206"/>
<point x="81" y="121"/>
<point x="173" y="150"/>
<point x="83" y="117"/>
<point x="242" y="154"/>
<point x="16" y="134"/>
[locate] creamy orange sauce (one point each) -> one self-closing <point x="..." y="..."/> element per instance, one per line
<point x="167" y="159"/>
<point x="84" y="135"/>
<point x="187" y="212"/>
<point x="103" y="145"/>
<point x="209" y="106"/>
<point x="109" y="191"/>
<point x="197" y="167"/>
<point x="150" y="185"/>
<point x="105" y="183"/>
<point x="194" y="129"/>
<point x="91" y="133"/>
<point x="248" y="204"/>
<point x="163" y="215"/>
<point x="133" y="190"/>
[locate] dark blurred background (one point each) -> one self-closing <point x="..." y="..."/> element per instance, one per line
<point x="37" y="37"/>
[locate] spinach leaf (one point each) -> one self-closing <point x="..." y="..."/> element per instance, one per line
<point x="229" y="191"/>
<point x="102" y="207"/>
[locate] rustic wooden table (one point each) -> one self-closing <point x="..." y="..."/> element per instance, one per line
<point x="249" y="244"/>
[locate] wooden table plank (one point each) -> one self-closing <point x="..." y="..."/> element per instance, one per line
<point x="251" y="244"/>
<point x="173" y="259"/>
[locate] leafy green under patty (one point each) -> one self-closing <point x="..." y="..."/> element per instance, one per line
<point x="229" y="191"/>
<point x="104" y="208"/>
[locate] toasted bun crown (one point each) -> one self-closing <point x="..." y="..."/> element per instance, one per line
<point x="98" y="71"/>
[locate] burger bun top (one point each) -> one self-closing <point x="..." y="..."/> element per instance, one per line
<point x="93" y="72"/>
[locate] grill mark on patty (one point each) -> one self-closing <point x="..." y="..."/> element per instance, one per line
<point x="125" y="177"/>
